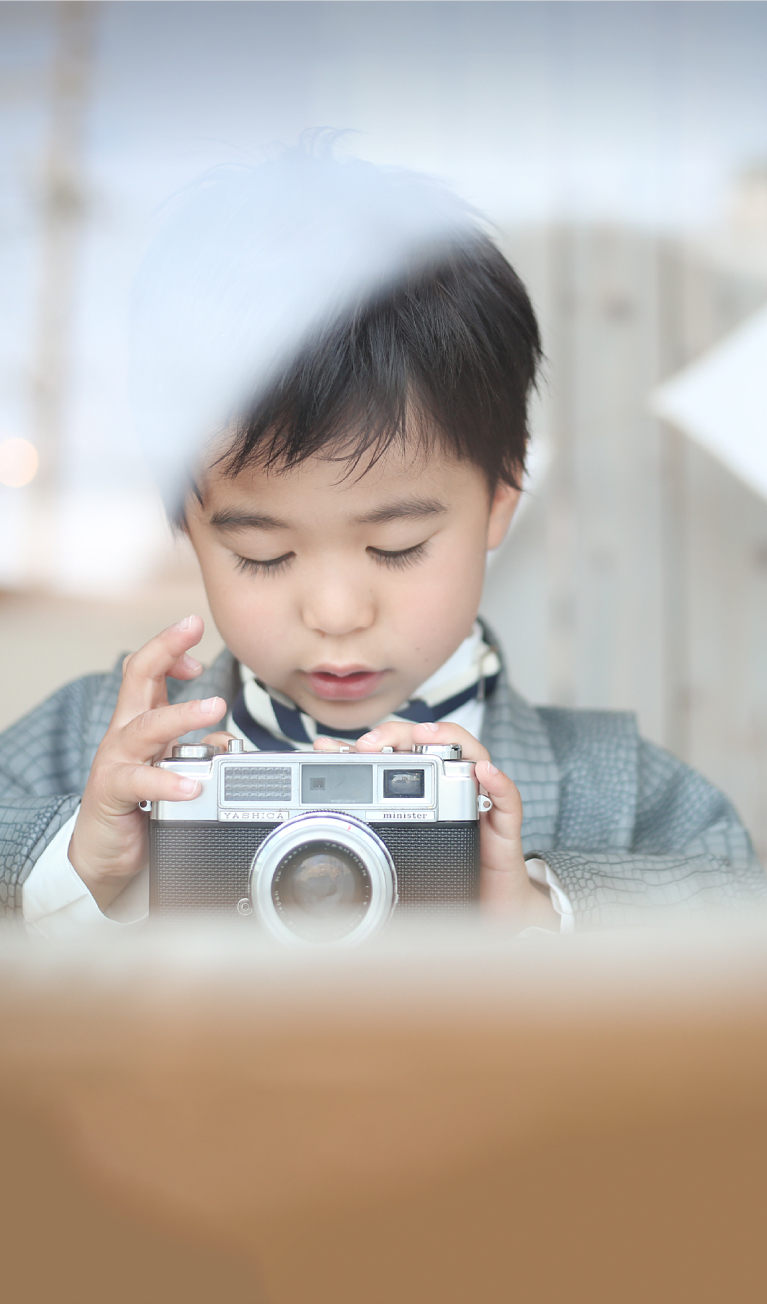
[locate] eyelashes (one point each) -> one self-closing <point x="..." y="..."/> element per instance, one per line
<point x="274" y="565"/>
<point x="249" y="566"/>
<point x="398" y="560"/>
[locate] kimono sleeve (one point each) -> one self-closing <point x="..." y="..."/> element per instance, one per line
<point x="689" y="853"/>
<point x="45" y="759"/>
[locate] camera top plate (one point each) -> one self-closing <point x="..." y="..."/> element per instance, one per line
<point x="277" y="786"/>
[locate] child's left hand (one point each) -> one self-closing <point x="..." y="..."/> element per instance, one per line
<point x="505" y="888"/>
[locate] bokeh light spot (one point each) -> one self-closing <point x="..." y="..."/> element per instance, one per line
<point x="19" y="462"/>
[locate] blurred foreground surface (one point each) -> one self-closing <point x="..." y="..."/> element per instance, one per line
<point x="442" y="1118"/>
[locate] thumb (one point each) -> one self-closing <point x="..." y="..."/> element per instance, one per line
<point x="504" y="881"/>
<point x="504" y="821"/>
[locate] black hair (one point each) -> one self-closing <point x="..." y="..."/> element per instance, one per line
<point x="447" y="356"/>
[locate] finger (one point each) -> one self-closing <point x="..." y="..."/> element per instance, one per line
<point x="220" y="739"/>
<point x="120" y="787"/>
<point x="445" y="732"/>
<point x="145" y="671"/>
<point x="185" y="668"/>
<point x="501" y="827"/>
<point x="393" y="733"/>
<point x="504" y="883"/>
<point x="148" y="734"/>
<point x="324" y="744"/>
<point x="403" y="736"/>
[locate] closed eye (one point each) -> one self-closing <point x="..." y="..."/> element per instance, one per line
<point x="398" y="560"/>
<point x="272" y="566"/>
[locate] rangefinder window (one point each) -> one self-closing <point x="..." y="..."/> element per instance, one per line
<point x="403" y="783"/>
<point x="336" y="785"/>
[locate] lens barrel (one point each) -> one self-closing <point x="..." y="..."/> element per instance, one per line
<point x="323" y="877"/>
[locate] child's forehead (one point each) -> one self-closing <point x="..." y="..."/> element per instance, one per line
<point x="339" y="484"/>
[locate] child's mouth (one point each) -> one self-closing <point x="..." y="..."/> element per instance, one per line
<point x="343" y="686"/>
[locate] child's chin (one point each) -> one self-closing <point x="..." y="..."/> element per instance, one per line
<point x="346" y="715"/>
<point x="333" y="718"/>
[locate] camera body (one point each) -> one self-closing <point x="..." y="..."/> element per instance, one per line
<point x="317" y="846"/>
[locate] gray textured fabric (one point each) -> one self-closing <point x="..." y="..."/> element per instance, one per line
<point x="629" y="830"/>
<point x="632" y="833"/>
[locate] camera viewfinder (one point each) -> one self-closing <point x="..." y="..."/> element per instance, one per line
<point x="403" y="783"/>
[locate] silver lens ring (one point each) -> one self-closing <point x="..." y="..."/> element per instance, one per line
<point x="349" y="835"/>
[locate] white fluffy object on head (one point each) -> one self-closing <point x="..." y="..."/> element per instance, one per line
<point x="251" y="261"/>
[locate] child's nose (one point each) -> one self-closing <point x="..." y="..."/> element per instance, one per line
<point x="337" y="607"/>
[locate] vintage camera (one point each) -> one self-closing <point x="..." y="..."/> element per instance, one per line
<point x="318" y="846"/>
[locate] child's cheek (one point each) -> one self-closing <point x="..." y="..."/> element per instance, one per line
<point x="438" y="606"/>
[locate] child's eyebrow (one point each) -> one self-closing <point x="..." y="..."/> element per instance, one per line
<point x="231" y="519"/>
<point x="409" y="507"/>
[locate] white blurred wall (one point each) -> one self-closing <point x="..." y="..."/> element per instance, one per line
<point x="636" y="577"/>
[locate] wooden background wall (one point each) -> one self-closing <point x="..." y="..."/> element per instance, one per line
<point x="636" y="574"/>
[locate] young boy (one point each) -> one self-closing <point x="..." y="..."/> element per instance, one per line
<point x="341" y="523"/>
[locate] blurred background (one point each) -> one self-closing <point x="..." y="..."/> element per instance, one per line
<point x="620" y="150"/>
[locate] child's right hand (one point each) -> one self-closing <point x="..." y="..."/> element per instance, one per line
<point x="109" y="845"/>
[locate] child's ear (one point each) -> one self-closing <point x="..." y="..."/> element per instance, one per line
<point x="502" y="509"/>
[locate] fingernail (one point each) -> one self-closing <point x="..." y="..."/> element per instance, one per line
<point x="185" y="623"/>
<point x="491" y="769"/>
<point x="431" y="726"/>
<point x="192" y="663"/>
<point x="208" y="705"/>
<point x="188" y="785"/>
<point x="371" y="737"/>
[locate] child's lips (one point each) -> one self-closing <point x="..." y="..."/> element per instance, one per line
<point x="343" y="686"/>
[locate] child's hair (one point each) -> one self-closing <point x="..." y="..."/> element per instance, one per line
<point x="447" y="356"/>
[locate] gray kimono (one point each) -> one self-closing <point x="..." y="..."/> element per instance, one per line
<point x="631" y="832"/>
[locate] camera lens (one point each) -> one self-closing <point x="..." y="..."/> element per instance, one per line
<point x="323" y="876"/>
<point x="321" y="890"/>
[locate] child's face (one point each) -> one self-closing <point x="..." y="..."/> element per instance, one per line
<point x="346" y="592"/>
